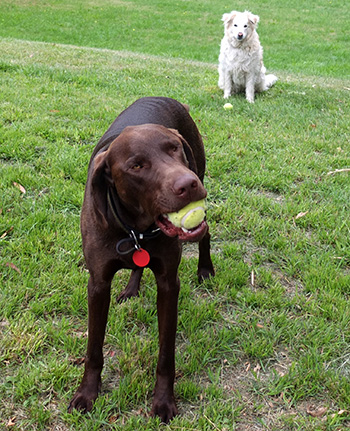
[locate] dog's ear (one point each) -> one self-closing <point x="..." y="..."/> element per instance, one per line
<point x="101" y="179"/>
<point x="226" y="17"/>
<point x="187" y="151"/>
<point x="254" y="19"/>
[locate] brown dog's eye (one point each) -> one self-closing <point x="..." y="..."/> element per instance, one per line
<point x="136" y="167"/>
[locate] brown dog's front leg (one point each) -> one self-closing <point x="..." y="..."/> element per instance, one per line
<point x="164" y="404"/>
<point x="98" y="302"/>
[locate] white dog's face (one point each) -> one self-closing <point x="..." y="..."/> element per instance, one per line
<point x="239" y="25"/>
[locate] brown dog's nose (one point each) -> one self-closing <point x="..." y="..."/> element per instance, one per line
<point x="186" y="187"/>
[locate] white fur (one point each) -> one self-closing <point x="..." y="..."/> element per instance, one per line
<point x="241" y="65"/>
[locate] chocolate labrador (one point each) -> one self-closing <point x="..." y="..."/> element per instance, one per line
<point x="150" y="162"/>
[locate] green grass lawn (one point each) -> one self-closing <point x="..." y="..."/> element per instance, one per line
<point x="265" y="344"/>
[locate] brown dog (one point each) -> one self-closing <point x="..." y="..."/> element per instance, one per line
<point x="150" y="162"/>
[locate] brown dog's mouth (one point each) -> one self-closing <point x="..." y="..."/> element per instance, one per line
<point x="183" y="234"/>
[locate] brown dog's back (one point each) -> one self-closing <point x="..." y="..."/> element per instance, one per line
<point x="158" y="110"/>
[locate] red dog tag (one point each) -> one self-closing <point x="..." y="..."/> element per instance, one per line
<point x="141" y="257"/>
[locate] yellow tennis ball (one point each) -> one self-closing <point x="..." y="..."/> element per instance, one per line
<point x="190" y="216"/>
<point x="228" y="106"/>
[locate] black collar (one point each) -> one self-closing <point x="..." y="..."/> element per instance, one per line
<point x="134" y="235"/>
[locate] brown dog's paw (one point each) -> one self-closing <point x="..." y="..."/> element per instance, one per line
<point x="165" y="410"/>
<point x="80" y="403"/>
<point x="128" y="293"/>
<point x="133" y="286"/>
<point x="205" y="273"/>
<point x="83" y="400"/>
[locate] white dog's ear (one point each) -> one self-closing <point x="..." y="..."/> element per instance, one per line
<point x="254" y="19"/>
<point x="226" y="17"/>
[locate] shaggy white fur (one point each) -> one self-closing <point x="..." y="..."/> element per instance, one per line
<point x="241" y="65"/>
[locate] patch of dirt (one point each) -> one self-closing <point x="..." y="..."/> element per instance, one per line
<point x="262" y="412"/>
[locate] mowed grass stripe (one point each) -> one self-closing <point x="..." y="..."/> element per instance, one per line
<point x="72" y="56"/>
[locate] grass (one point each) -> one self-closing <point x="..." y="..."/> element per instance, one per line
<point x="296" y="36"/>
<point x="262" y="346"/>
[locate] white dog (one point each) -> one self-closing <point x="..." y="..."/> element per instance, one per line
<point x="241" y="65"/>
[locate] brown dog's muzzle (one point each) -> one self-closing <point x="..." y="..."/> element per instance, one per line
<point x="186" y="187"/>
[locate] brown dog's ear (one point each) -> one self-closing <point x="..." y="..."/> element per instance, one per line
<point x="187" y="150"/>
<point x="100" y="181"/>
<point x="189" y="155"/>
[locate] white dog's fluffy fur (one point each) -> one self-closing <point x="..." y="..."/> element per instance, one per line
<point x="241" y="65"/>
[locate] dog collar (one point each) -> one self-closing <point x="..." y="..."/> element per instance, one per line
<point x="140" y="257"/>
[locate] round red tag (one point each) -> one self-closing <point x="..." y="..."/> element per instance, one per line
<point x="141" y="257"/>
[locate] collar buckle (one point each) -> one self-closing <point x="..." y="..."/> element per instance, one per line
<point x="134" y="235"/>
<point x="134" y="238"/>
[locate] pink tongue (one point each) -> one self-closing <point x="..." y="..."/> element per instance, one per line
<point x="168" y="228"/>
<point x="191" y="235"/>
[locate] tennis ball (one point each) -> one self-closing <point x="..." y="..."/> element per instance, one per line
<point x="228" y="106"/>
<point x="190" y="216"/>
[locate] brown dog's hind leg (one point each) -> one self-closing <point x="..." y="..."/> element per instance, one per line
<point x="205" y="265"/>
<point x="133" y="286"/>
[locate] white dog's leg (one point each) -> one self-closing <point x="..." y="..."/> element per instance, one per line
<point x="250" y="89"/>
<point x="225" y="81"/>
<point x="221" y="82"/>
<point x="227" y="85"/>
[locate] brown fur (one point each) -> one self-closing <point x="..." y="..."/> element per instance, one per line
<point x="152" y="161"/>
